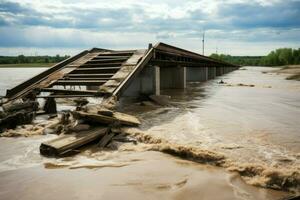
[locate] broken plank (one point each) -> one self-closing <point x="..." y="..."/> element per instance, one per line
<point x="67" y="143"/>
<point x="106" y="139"/>
<point x="124" y="119"/>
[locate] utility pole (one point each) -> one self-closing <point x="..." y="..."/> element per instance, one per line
<point x="203" y="42"/>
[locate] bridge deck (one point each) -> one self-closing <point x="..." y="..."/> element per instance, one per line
<point x="109" y="72"/>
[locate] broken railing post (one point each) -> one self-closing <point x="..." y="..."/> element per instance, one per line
<point x="50" y="106"/>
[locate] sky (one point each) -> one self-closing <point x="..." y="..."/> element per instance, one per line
<point x="66" y="27"/>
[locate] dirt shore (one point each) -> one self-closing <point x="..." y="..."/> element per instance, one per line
<point x="293" y="72"/>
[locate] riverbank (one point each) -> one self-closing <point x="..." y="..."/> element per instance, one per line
<point x="292" y="72"/>
<point x="26" y="65"/>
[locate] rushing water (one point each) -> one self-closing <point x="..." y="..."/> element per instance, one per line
<point x="255" y="128"/>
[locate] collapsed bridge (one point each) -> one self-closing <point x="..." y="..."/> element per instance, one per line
<point x="103" y="72"/>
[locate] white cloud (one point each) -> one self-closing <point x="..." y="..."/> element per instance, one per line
<point x="239" y="25"/>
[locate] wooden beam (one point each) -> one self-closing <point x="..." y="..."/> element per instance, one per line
<point x="96" y="68"/>
<point x="67" y="143"/>
<point x="106" y="75"/>
<point x="79" y="82"/>
<point x="101" y="64"/>
<point x="97" y="60"/>
<point x="65" y="91"/>
<point x="69" y="96"/>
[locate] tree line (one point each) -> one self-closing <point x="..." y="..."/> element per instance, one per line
<point x="282" y="56"/>
<point x="31" y="59"/>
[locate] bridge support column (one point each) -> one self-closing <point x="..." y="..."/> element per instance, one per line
<point x="211" y="72"/>
<point x="196" y="74"/>
<point x="218" y="71"/>
<point x="173" y="77"/>
<point x="156" y="80"/>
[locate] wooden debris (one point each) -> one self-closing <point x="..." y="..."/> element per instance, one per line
<point x="106" y="139"/>
<point x="124" y="119"/>
<point x="79" y="127"/>
<point x="67" y="143"/>
<point x="16" y="106"/>
<point x="50" y="106"/>
<point x="81" y="101"/>
<point x="17" y="113"/>
<point x="105" y="112"/>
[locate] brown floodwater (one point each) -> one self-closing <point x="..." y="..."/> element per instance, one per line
<point x="251" y="132"/>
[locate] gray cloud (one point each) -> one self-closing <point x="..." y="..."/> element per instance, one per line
<point x="76" y="27"/>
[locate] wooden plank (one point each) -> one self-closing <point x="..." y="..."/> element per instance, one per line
<point x="109" y="56"/>
<point x="113" y="60"/>
<point x="87" y="65"/>
<point x="91" y="75"/>
<point x="97" y="68"/>
<point x="117" y="53"/>
<point x="85" y="78"/>
<point x="69" y="96"/>
<point x="102" y="119"/>
<point x="79" y="82"/>
<point x="106" y="139"/>
<point x="66" y="143"/>
<point x="54" y="90"/>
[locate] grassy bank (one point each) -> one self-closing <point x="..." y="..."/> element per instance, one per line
<point x="20" y="65"/>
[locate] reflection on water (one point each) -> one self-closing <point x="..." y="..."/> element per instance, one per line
<point x="258" y="125"/>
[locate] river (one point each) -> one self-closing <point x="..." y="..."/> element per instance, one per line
<point x="251" y="122"/>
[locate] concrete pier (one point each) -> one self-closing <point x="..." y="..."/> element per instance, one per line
<point x="197" y="74"/>
<point x="147" y="83"/>
<point x="173" y="77"/>
<point x="157" y="80"/>
<point x="211" y="72"/>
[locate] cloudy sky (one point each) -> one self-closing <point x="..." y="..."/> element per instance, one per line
<point x="237" y="27"/>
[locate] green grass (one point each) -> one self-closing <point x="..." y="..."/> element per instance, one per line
<point x="20" y="65"/>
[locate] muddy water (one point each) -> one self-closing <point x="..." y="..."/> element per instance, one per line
<point x="248" y="126"/>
